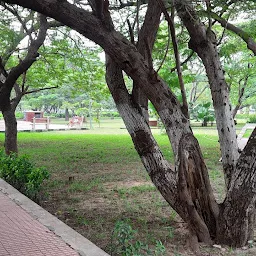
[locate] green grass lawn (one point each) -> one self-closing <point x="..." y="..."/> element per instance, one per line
<point x="109" y="183"/>
<point x="247" y="133"/>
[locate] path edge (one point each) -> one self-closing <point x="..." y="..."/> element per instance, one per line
<point x="75" y="240"/>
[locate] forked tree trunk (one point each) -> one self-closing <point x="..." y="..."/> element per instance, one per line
<point x="146" y="39"/>
<point x="190" y="195"/>
<point x="203" y="42"/>
<point x="10" y="131"/>
<point x="195" y="192"/>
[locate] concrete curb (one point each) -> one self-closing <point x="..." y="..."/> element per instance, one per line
<point x="79" y="243"/>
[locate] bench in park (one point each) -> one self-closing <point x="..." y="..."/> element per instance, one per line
<point x="41" y="120"/>
<point x="152" y="123"/>
<point x="76" y="121"/>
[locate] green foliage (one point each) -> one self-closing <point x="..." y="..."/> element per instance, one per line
<point x="242" y="116"/>
<point x="109" y="114"/>
<point x="159" y="52"/>
<point x="252" y="118"/>
<point x="152" y="111"/>
<point x="123" y="242"/>
<point x="203" y="112"/>
<point x="19" y="115"/>
<point x="22" y="174"/>
<point x="75" y="69"/>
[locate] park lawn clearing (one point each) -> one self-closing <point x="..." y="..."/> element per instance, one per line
<point x="98" y="180"/>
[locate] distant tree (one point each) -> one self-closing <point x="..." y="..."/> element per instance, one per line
<point x="15" y="62"/>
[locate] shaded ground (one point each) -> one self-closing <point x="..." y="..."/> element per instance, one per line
<point x="93" y="207"/>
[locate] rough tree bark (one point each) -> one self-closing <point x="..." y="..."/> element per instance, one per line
<point x="10" y="143"/>
<point x="203" y="42"/>
<point x="11" y="123"/>
<point x="146" y="39"/>
<point x="237" y="213"/>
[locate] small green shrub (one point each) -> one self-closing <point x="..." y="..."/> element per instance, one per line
<point x="252" y="119"/>
<point x="124" y="244"/>
<point x="242" y="116"/>
<point x="203" y="113"/>
<point x="22" y="174"/>
<point x="19" y="115"/>
<point x="60" y="115"/>
<point x="115" y="114"/>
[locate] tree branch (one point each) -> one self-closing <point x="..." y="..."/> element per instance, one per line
<point x="170" y="21"/>
<point x="184" y="62"/>
<point x="202" y="43"/>
<point x="41" y="89"/>
<point x="31" y="55"/>
<point x="23" y="23"/>
<point x="146" y="39"/>
<point x="251" y="44"/>
<point x="166" y="52"/>
<point x="240" y="96"/>
<point x="131" y="32"/>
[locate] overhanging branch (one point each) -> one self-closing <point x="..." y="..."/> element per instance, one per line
<point x="41" y="89"/>
<point x="251" y="44"/>
<point x="170" y="21"/>
<point x="31" y="56"/>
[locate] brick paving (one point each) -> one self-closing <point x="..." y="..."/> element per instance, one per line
<point x="21" y="235"/>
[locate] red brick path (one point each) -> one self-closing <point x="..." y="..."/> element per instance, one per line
<point x="21" y="235"/>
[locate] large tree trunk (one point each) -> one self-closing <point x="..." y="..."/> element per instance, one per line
<point x="195" y="192"/>
<point x="66" y="114"/>
<point x="146" y="39"/>
<point x="10" y="131"/>
<point x="203" y="42"/>
<point x="237" y="214"/>
<point x="192" y="195"/>
<point x="8" y="110"/>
